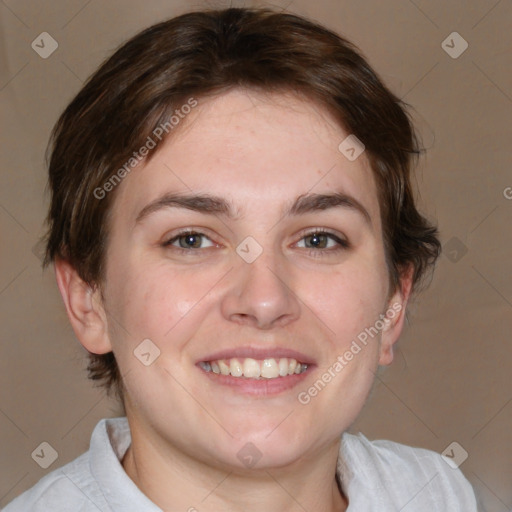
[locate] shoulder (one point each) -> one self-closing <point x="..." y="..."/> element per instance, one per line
<point x="406" y="476"/>
<point x="70" y="487"/>
<point x="61" y="490"/>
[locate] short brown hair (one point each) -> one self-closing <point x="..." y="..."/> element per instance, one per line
<point x="204" y="53"/>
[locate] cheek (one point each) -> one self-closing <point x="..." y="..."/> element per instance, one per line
<point x="347" y="300"/>
<point x="159" y="302"/>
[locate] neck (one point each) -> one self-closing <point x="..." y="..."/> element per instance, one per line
<point x="174" y="481"/>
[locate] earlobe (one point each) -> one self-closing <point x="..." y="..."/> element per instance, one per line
<point x="84" y="309"/>
<point x="395" y="317"/>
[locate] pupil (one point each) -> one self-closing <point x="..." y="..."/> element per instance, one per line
<point x="317" y="240"/>
<point x="192" y="241"/>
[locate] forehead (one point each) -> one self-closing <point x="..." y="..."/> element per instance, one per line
<point x="251" y="147"/>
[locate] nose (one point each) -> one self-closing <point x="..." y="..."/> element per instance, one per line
<point x="260" y="296"/>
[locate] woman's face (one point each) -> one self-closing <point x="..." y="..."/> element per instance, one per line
<point x="263" y="250"/>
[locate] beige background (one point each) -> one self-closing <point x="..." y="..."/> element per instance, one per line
<point x="451" y="378"/>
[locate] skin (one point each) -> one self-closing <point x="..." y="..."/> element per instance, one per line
<point x="258" y="152"/>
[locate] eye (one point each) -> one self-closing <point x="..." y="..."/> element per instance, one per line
<point x="322" y="240"/>
<point x="190" y="240"/>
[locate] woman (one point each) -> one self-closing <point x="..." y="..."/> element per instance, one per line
<point x="235" y="240"/>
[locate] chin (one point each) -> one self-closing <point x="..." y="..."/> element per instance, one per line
<point x="258" y="455"/>
<point x="276" y="446"/>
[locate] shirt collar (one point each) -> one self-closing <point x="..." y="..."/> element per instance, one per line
<point x="110" y="441"/>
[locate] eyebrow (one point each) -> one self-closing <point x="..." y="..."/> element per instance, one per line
<point x="205" y="203"/>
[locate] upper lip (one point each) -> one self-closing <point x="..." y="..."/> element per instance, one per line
<point x="258" y="353"/>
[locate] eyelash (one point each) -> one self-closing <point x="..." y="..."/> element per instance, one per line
<point x="342" y="244"/>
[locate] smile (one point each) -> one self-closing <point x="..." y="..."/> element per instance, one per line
<point x="259" y="369"/>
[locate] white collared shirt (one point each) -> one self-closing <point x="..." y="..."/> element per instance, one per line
<point x="378" y="476"/>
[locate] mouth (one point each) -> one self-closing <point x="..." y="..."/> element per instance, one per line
<point x="249" y="368"/>
<point x="257" y="372"/>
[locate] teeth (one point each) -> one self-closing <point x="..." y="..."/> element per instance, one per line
<point x="269" y="369"/>
<point x="253" y="369"/>
<point x="224" y="368"/>
<point x="235" y="368"/>
<point x="205" y="366"/>
<point x="283" y="366"/>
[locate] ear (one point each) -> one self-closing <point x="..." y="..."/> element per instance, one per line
<point x="395" y="316"/>
<point x="84" y="308"/>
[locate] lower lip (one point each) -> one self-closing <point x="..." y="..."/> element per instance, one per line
<point x="258" y="387"/>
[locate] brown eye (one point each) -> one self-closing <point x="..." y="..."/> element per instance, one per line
<point x="190" y="241"/>
<point x="322" y="240"/>
<point x="317" y="240"/>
